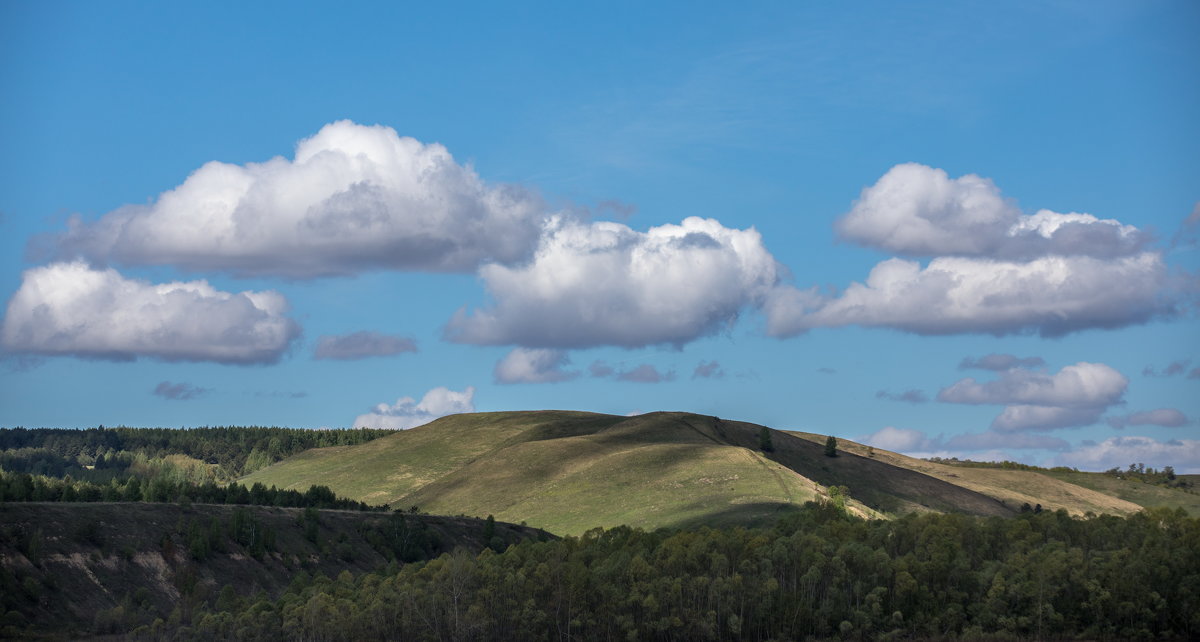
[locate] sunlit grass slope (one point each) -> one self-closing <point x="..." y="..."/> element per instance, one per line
<point x="571" y="471"/>
<point x="1078" y="493"/>
<point x="1135" y="491"/>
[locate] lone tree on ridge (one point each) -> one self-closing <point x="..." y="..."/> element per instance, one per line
<point x="831" y="447"/>
<point x="764" y="440"/>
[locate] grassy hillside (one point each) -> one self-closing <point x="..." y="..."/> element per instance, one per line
<point x="73" y="568"/>
<point x="571" y="471"/>
<point x="1077" y="492"/>
<point x="1132" y="490"/>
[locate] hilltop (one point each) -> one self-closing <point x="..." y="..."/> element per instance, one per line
<point x="571" y="471"/>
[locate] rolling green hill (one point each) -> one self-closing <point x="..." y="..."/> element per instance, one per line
<point x="571" y="471"/>
<point x="568" y="472"/>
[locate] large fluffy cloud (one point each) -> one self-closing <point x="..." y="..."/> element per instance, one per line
<point x="353" y="198"/>
<point x="1077" y="395"/>
<point x="1119" y="452"/>
<point x="534" y="365"/>
<point x="991" y="269"/>
<point x="1051" y="296"/>
<point x="73" y="309"/>
<point x="917" y="210"/>
<point x="409" y="413"/>
<point x="605" y="284"/>
<point x="1083" y="384"/>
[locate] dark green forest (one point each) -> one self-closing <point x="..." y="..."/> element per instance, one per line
<point x="817" y="574"/>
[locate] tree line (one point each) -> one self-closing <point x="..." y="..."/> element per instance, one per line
<point x="226" y="452"/>
<point x="817" y="574"/>
<point x="23" y="487"/>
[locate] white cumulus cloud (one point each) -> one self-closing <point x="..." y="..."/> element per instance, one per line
<point x="1077" y="395"/>
<point x="353" y="198"/>
<point x="1119" y="452"/>
<point x="990" y="269"/>
<point x="604" y="283"/>
<point x="1051" y="296"/>
<point x="409" y="413"/>
<point x="534" y="365"/>
<point x="1081" y="385"/>
<point x="900" y="440"/>
<point x="1021" y="417"/>
<point x="916" y="210"/>
<point x="73" y="309"/>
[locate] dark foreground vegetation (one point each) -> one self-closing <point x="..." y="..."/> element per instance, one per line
<point x="818" y="574"/>
<point x="70" y="571"/>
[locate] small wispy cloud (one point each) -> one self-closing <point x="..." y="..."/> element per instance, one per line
<point x="1164" y="417"/>
<point x="646" y="373"/>
<point x="361" y="345"/>
<point x="600" y="369"/>
<point x="281" y="394"/>
<point x="179" y="391"/>
<point x="708" y="370"/>
<point x="908" y="396"/>
<point x="1173" y="369"/>
<point x="1000" y="362"/>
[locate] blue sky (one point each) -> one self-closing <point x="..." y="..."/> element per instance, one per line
<point x="614" y="208"/>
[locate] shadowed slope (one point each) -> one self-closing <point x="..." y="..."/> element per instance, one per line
<point x="879" y="485"/>
<point x="1012" y="487"/>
